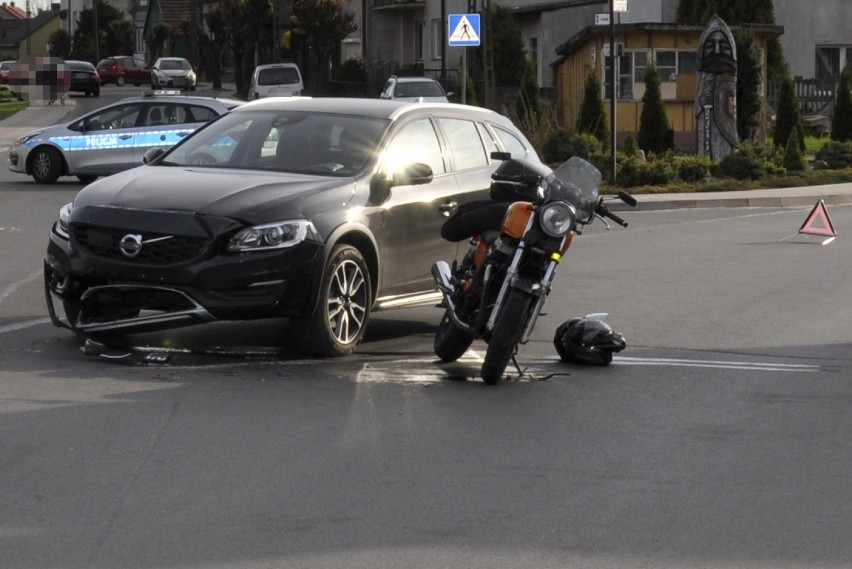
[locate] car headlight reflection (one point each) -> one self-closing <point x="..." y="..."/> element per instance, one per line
<point x="558" y="218"/>
<point x="63" y="222"/>
<point x="278" y="235"/>
<point x="27" y="137"/>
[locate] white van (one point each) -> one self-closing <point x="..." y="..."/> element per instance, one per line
<point x="276" y="80"/>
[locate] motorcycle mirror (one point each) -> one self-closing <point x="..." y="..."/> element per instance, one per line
<point x="627" y="198"/>
<point x="496" y="155"/>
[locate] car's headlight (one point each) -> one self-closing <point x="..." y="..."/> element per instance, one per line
<point x="278" y="235"/>
<point x="558" y="218"/>
<point x="63" y="222"/>
<point x="29" y="136"/>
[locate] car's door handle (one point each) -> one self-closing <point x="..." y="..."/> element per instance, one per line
<point x="125" y="136"/>
<point x="448" y="207"/>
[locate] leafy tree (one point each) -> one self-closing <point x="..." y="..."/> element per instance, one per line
<point x="510" y="59"/>
<point x="748" y="88"/>
<point x="60" y="44"/>
<point x="841" y="125"/>
<point x="161" y="40"/>
<point x="218" y="31"/>
<point x="528" y="104"/>
<point x="788" y="118"/>
<point x="325" y="25"/>
<point x="112" y="38"/>
<point x="592" y="119"/>
<point x="654" y="131"/>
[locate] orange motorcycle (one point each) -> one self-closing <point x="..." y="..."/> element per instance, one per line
<point x="516" y="243"/>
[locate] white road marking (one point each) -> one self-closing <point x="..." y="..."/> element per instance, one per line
<point x="757" y="366"/>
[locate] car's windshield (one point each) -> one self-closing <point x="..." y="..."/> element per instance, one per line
<point x="174" y="64"/>
<point x="326" y="144"/>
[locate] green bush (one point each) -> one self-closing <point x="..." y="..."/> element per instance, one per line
<point x="636" y="172"/>
<point x="740" y="165"/>
<point x="692" y="168"/>
<point x="562" y="145"/>
<point x="838" y="155"/>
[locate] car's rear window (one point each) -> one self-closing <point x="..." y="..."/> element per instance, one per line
<point x="419" y="89"/>
<point x="278" y="76"/>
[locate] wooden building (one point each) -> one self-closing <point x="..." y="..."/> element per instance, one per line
<point x="672" y="48"/>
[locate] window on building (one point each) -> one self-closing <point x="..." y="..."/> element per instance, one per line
<point x="420" y="29"/>
<point x="437" y="37"/>
<point x="632" y="65"/>
<point x="830" y="61"/>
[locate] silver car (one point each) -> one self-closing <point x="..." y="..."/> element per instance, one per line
<point x="173" y="72"/>
<point x="113" y="138"/>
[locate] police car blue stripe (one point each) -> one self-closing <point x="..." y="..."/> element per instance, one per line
<point x="123" y="140"/>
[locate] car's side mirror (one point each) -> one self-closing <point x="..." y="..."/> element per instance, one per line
<point x="152" y="154"/>
<point x="413" y="174"/>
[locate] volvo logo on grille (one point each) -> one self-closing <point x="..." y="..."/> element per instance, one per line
<point x="131" y="244"/>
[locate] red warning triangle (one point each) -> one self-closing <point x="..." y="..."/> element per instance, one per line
<point x="818" y="222"/>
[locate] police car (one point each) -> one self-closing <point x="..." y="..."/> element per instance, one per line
<point x="113" y="138"/>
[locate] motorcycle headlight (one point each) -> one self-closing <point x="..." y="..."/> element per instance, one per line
<point x="63" y="222"/>
<point x="558" y="218"/>
<point x="277" y="235"/>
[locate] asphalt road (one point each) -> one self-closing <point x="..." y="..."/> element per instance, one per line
<point x="719" y="439"/>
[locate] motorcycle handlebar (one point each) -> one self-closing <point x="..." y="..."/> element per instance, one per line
<point x="603" y="211"/>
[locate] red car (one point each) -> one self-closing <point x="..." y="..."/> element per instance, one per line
<point x="5" y="69"/>
<point x="121" y="69"/>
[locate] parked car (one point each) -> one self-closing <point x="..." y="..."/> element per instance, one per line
<point x="318" y="209"/>
<point x="121" y="69"/>
<point x="113" y="138"/>
<point x="414" y="89"/>
<point x="84" y="78"/>
<point x="276" y="80"/>
<point x="5" y="70"/>
<point x="173" y="72"/>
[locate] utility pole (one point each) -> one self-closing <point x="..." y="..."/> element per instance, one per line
<point x="613" y="82"/>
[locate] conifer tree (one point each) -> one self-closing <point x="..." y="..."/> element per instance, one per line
<point x="592" y="119"/>
<point x="748" y="88"/>
<point x="841" y="125"/>
<point x="787" y="117"/>
<point x="794" y="158"/>
<point x="653" y="135"/>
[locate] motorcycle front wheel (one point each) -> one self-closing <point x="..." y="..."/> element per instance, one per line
<point x="505" y="336"/>
<point x="450" y="342"/>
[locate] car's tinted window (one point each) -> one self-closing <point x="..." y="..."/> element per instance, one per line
<point x="201" y="114"/>
<point x="418" y="89"/>
<point x="278" y="76"/>
<point x="416" y="142"/>
<point x="464" y="142"/>
<point x="120" y="116"/>
<point x="511" y="142"/>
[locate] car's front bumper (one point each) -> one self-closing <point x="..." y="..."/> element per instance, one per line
<point x="111" y="293"/>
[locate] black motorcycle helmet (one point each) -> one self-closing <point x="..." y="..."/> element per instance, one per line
<point x="517" y="179"/>
<point x="587" y="341"/>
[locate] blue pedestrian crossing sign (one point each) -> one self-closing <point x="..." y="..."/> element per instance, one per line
<point x="464" y="29"/>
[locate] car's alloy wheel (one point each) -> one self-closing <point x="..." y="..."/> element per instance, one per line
<point x="119" y="80"/>
<point x="340" y="318"/>
<point x="46" y="165"/>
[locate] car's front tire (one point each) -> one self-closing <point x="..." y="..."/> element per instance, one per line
<point x="46" y="165"/>
<point x="119" y="80"/>
<point x="87" y="178"/>
<point x="340" y="318"/>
